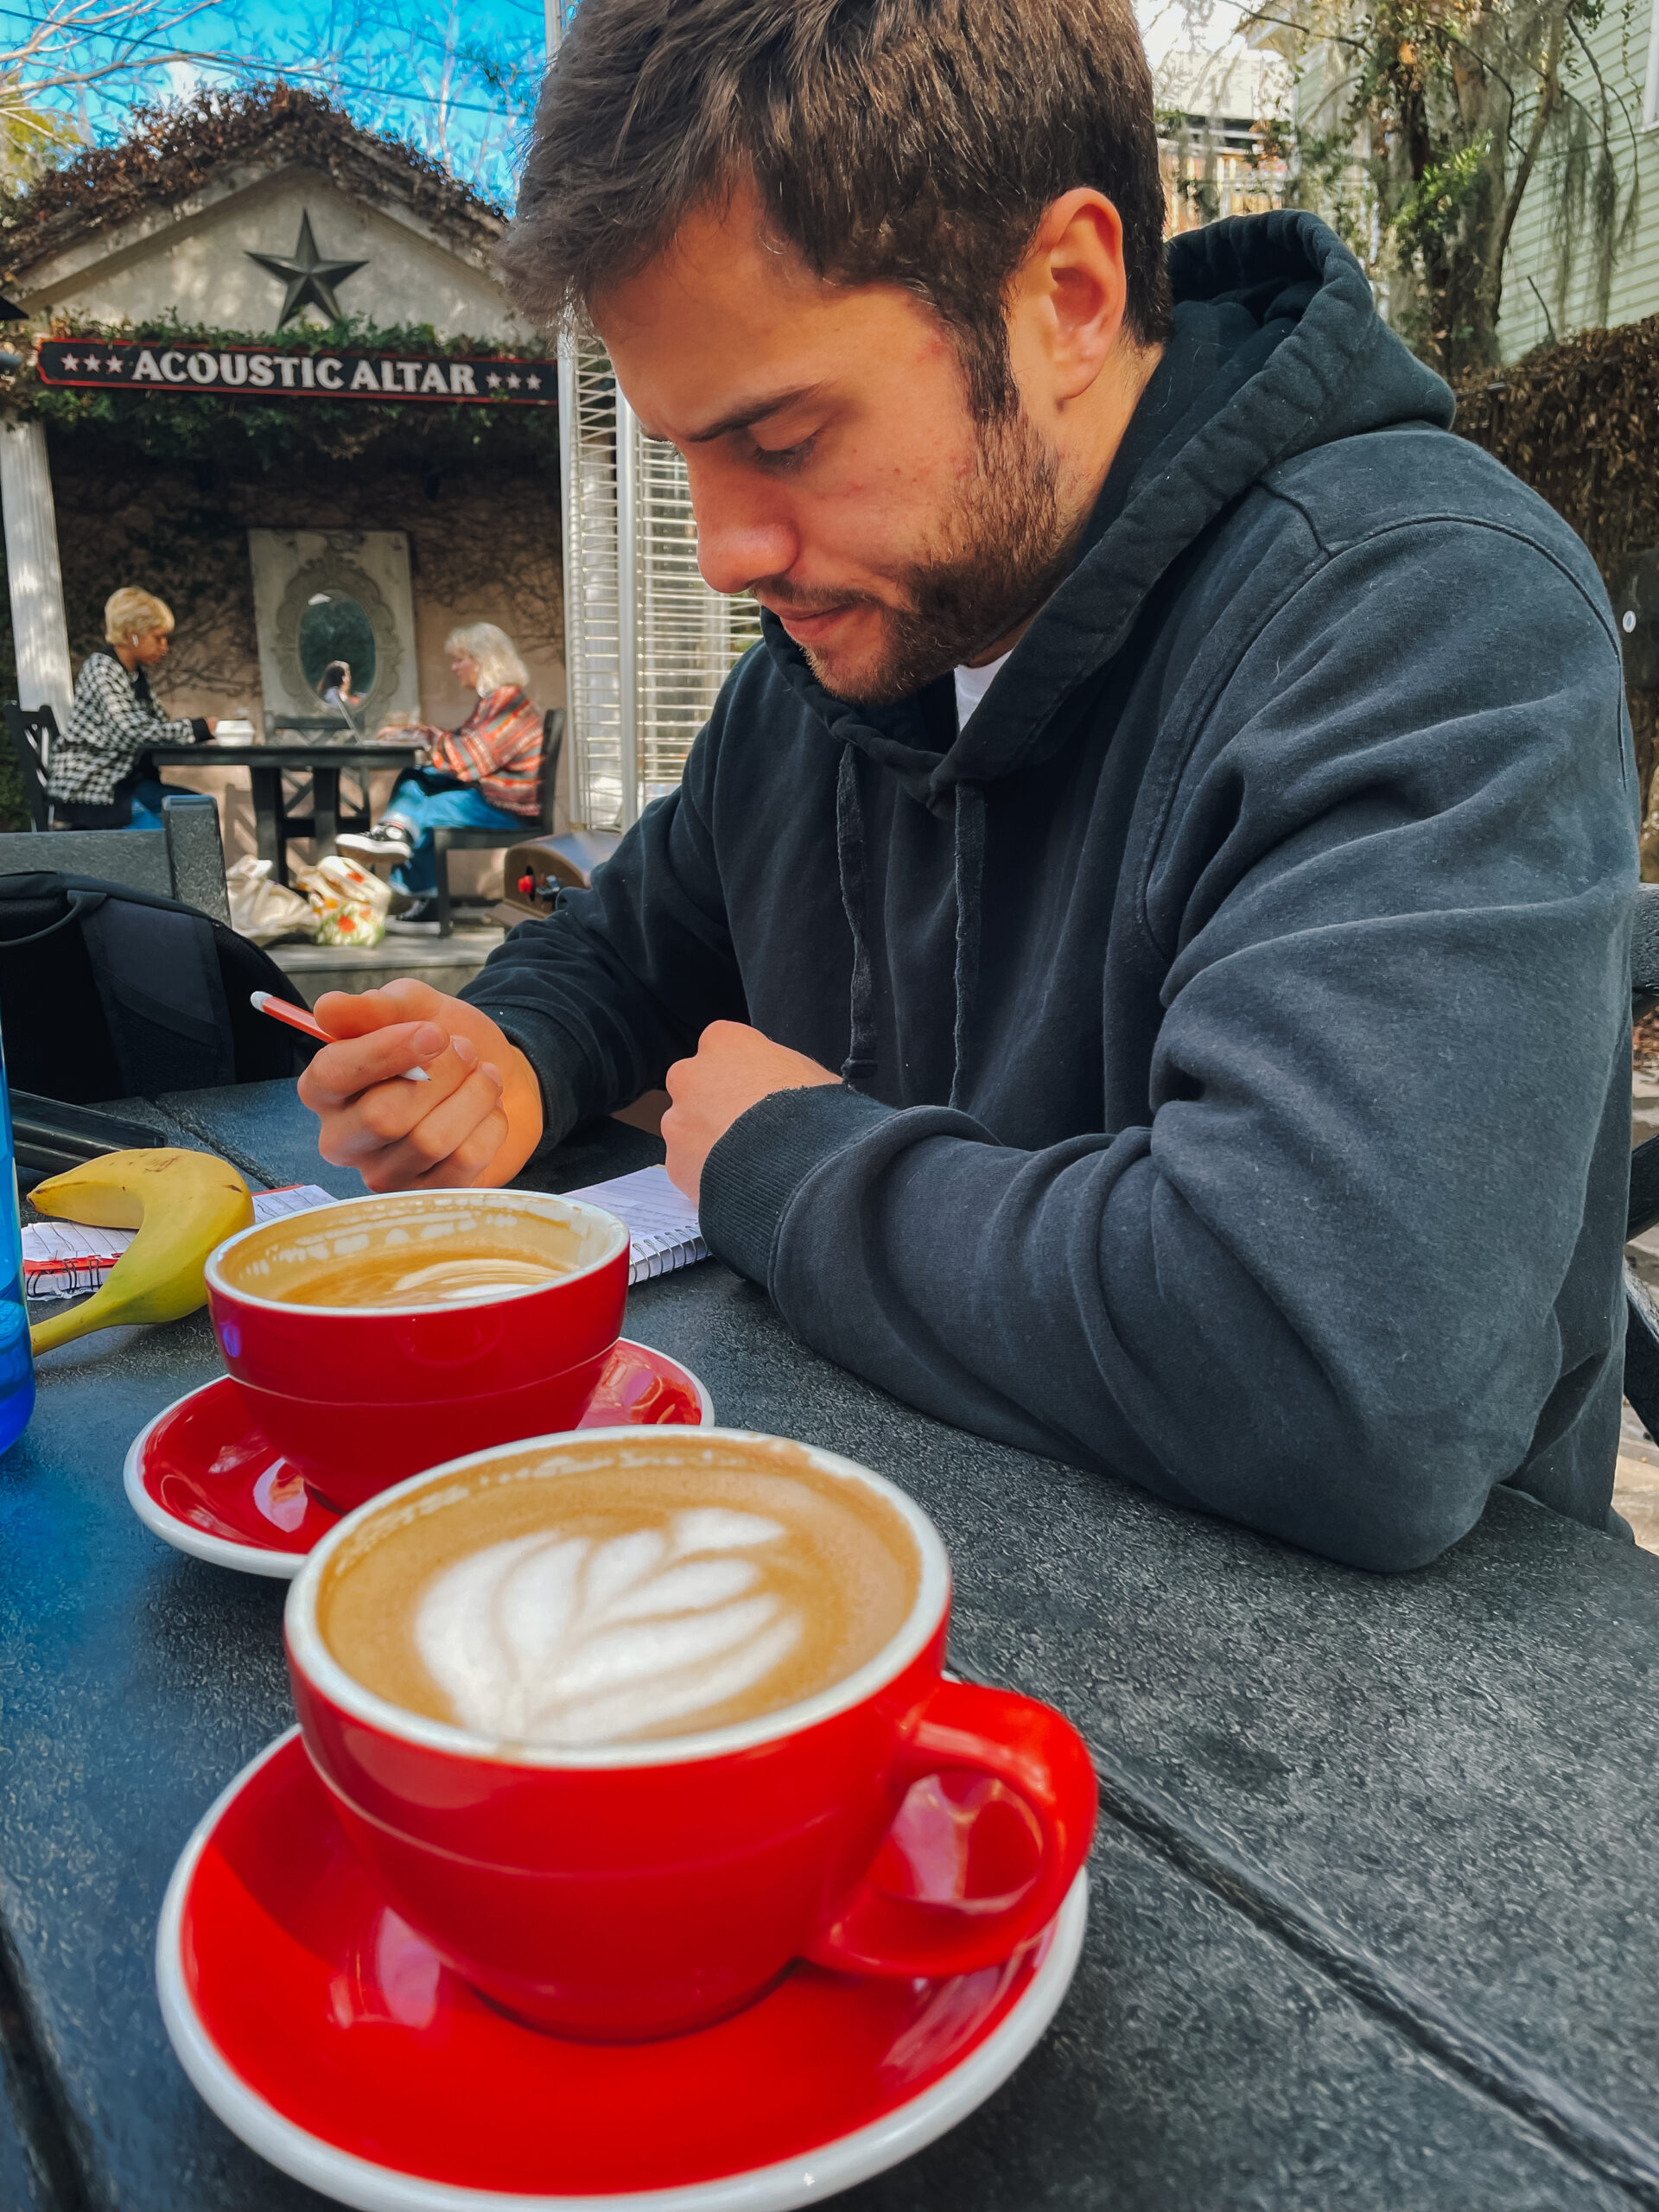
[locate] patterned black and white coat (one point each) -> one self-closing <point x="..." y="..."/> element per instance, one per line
<point x="115" y="720"/>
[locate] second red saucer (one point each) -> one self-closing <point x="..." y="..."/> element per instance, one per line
<point x="208" y="1483"/>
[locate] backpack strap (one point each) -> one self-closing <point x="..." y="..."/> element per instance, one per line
<point x="157" y="976"/>
<point x="79" y="898"/>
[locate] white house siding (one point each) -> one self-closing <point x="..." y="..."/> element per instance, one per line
<point x="1622" y="45"/>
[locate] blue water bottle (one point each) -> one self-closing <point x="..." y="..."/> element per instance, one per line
<point x="17" y="1367"/>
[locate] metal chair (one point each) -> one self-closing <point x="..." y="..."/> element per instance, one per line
<point x="448" y="841"/>
<point x="185" y="860"/>
<point x="34" y="732"/>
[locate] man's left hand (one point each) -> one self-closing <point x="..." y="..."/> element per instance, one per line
<point x="733" y="1069"/>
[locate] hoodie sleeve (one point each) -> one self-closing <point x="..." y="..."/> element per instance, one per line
<point x="1319" y="1291"/>
<point x="620" y="980"/>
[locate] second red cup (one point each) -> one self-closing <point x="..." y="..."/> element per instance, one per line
<point x="378" y="1336"/>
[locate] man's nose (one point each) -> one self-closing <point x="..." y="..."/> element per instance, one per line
<point x="741" y="537"/>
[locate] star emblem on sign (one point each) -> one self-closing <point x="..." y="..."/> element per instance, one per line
<point x="70" y="363"/>
<point x="113" y="363"/>
<point x="310" y="276"/>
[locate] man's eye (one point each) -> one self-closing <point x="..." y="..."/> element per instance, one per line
<point x="785" y="458"/>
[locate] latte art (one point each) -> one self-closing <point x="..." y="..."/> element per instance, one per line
<point x="565" y="1639"/>
<point x="594" y="1594"/>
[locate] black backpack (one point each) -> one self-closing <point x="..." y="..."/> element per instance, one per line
<point x="107" y="992"/>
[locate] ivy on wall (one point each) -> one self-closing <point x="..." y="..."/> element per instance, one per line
<point x="170" y="149"/>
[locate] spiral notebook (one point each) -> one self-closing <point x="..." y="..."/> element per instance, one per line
<point x="661" y="1221"/>
<point x="66" y="1259"/>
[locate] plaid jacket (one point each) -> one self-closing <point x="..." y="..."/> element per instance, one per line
<point x="499" y="748"/>
<point x="114" y="719"/>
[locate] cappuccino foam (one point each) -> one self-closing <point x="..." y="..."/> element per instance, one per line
<point x="580" y="1600"/>
<point x="415" y="1278"/>
<point x="412" y="1250"/>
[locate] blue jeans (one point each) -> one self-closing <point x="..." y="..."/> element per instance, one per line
<point x="422" y="811"/>
<point x="146" y="804"/>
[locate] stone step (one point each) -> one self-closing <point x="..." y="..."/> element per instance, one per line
<point x="446" y="963"/>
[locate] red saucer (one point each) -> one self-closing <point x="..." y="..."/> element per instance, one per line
<point x="207" y="1482"/>
<point x="327" y="2035"/>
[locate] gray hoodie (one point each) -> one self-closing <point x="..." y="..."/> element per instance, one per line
<point x="1234" y="1017"/>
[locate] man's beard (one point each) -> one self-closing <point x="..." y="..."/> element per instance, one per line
<point x="1004" y="549"/>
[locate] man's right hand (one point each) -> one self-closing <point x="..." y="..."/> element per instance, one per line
<point x="476" y="1119"/>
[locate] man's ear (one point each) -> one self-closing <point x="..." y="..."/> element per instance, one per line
<point x="1067" y="299"/>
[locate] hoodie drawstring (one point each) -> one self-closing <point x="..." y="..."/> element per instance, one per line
<point x="971" y="882"/>
<point x="859" y="1066"/>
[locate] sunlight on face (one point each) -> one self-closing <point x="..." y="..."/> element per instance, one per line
<point x="836" y="470"/>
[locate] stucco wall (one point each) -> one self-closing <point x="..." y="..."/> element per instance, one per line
<point x="197" y="267"/>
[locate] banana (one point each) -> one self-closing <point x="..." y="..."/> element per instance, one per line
<point x="182" y="1203"/>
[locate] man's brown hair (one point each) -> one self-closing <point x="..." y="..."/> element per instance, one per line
<point x="904" y="142"/>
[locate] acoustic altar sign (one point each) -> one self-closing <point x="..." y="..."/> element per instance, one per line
<point x="156" y="365"/>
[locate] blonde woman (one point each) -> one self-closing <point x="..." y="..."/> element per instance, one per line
<point x="98" y="777"/>
<point x="486" y="775"/>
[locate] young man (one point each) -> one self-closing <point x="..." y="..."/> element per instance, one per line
<point x="1139" y="956"/>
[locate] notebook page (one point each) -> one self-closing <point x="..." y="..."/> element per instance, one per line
<point x="62" y="1259"/>
<point x="661" y="1221"/>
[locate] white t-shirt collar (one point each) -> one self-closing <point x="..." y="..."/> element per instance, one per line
<point x="972" y="684"/>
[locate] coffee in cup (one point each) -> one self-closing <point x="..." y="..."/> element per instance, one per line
<point x="686" y="1591"/>
<point x="620" y="1723"/>
<point x="377" y="1335"/>
<point x="393" y="1279"/>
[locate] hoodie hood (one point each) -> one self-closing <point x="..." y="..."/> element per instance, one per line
<point x="1276" y="346"/>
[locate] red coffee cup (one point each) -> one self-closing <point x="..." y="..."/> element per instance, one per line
<point x="360" y="1396"/>
<point x="896" y="1824"/>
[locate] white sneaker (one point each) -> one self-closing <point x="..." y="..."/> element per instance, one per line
<point x="387" y="841"/>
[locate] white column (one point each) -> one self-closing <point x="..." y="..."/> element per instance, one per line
<point x="40" y="631"/>
<point x="628" y="600"/>
<point x="554" y="10"/>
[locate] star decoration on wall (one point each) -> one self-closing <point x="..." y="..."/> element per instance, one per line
<point x="309" y="276"/>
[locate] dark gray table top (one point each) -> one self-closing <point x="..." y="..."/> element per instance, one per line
<point x="1374" y="1923"/>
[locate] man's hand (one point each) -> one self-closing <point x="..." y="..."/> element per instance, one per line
<point x="476" y="1119"/>
<point x="734" y="1067"/>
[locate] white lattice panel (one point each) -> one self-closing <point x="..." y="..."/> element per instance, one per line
<point x="592" y="611"/>
<point x="648" y="611"/>
<point x="688" y="636"/>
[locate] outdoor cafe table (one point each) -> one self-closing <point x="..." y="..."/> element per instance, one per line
<point x="267" y="764"/>
<point x="1375" y="1919"/>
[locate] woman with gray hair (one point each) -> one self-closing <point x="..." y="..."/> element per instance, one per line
<point x="486" y="775"/>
